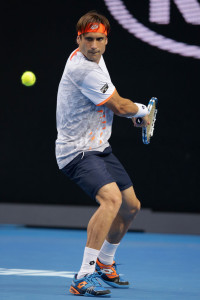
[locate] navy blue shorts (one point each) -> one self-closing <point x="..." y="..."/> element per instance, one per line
<point x="95" y="169"/>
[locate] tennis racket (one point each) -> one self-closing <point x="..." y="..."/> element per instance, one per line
<point x="147" y="132"/>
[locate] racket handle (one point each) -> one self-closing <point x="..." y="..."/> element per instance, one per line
<point x="139" y="121"/>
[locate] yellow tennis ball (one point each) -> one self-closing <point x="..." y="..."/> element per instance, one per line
<point x="28" y="78"/>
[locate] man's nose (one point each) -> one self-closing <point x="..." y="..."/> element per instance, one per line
<point x="94" y="44"/>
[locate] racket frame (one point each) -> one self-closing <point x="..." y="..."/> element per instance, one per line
<point x="145" y="138"/>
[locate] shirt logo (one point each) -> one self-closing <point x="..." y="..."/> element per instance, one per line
<point x="104" y="88"/>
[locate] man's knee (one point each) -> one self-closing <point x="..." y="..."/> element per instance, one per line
<point x="110" y="196"/>
<point x="137" y="205"/>
<point x="133" y="207"/>
<point x="130" y="211"/>
<point x="114" y="200"/>
<point x="131" y="204"/>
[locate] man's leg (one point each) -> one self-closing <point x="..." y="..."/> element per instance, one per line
<point x="110" y="199"/>
<point x="128" y="210"/>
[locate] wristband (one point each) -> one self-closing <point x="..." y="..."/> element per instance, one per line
<point x="142" y="111"/>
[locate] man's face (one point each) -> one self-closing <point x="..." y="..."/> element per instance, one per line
<point x="92" y="45"/>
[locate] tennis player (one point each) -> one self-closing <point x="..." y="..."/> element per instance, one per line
<point x="86" y="103"/>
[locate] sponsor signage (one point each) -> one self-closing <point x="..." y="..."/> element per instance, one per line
<point x="159" y="13"/>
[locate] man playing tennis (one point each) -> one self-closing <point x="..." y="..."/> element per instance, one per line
<point x="87" y="101"/>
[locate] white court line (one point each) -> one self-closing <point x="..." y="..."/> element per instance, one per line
<point x="29" y="272"/>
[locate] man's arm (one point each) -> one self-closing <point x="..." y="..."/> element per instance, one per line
<point x="125" y="108"/>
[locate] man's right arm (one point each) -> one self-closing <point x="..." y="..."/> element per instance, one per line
<point x="126" y="108"/>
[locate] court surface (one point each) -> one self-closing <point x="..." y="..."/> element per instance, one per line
<point x="38" y="264"/>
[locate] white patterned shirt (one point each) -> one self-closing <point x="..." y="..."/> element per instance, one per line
<point x="84" y="123"/>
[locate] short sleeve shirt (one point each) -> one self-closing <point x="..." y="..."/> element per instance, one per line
<point x="84" y="123"/>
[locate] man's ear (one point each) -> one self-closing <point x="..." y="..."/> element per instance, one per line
<point x="106" y="40"/>
<point x="78" y="39"/>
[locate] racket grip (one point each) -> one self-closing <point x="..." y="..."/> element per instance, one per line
<point x="139" y="121"/>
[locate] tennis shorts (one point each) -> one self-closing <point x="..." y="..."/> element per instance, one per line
<point x="93" y="169"/>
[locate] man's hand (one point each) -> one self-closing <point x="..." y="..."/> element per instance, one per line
<point x="144" y="123"/>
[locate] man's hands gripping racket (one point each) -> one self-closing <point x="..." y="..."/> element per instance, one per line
<point x="148" y="122"/>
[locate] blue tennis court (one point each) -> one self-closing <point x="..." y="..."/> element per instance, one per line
<point x="39" y="263"/>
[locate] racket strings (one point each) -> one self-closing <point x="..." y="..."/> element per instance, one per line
<point x="152" y="117"/>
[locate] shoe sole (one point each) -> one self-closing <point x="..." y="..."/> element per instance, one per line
<point x="104" y="296"/>
<point x="115" y="285"/>
<point x="76" y="293"/>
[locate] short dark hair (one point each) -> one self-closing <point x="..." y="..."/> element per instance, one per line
<point x="92" y="17"/>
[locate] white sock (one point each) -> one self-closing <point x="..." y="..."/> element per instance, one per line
<point x="89" y="262"/>
<point x="107" y="253"/>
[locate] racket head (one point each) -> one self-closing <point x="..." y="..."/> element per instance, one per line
<point x="147" y="132"/>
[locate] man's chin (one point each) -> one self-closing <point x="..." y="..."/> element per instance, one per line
<point x="94" y="57"/>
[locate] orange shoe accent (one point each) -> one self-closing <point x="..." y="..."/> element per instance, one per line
<point x="93" y="138"/>
<point x="81" y="284"/>
<point x="104" y="116"/>
<point x="90" y="133"/>
<point x="109" y="270"/>
<point x="100" y="110"/>
<point x="100" y="142"/>
<point x="104" y="127"/>
<point x="73" y="291"/>
<point x="104" y="122"/>
<point x="101" y="133"/>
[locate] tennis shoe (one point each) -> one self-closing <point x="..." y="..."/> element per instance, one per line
<point x="88" y="285"/>
<point x="110" y="275"/>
